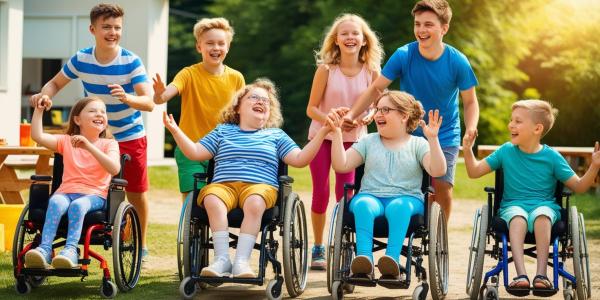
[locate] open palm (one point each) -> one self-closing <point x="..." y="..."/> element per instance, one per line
<point x="158" y="85"/>
<point x="596" y="155"/>
<point x="435" y="121"/>
<point x="169" y="122"/>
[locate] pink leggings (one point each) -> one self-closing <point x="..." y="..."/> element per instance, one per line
<point x="319" y="170"/>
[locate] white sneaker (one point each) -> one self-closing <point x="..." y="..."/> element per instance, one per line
<point x="241" y="269"/>
<point x="221" y="267"/>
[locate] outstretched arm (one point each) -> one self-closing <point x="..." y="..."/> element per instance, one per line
<point x="163" y="93"/>
<point x="193" y="151"/>
<point x="580" y="185"/>
<point x="48" y="91"/>
<point x="365" y="99"/>
<point x="37" y="131"/>
<point x="475" y="168"/>
<point x="301" y="158"/>
<point x="342" y="161"/>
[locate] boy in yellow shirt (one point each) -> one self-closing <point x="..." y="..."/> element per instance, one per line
<point x="205" y="89"/>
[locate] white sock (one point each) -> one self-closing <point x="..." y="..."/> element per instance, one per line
<point x="221" y="244"/>
<point x="244" y="247"/>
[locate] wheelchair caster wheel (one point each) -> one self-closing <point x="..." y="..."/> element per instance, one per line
<point x="188" y="288"/>
<point x="274" y="290"/>
<point x="420" y="292"/>
<point x="108" y="289"/>
<point x="337" y="290"/>
<point x="36" y="281"/>
<point x="23" y="287"/>
<point x="491" y="293"/>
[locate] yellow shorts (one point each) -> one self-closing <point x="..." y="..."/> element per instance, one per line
<point x="233" y="194"/>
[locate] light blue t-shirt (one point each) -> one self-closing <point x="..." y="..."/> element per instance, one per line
<point x="529" y="178"/>
<point x="436" y="84"/>
<point x="248" y="156"/>
<point x="390" y="173"/>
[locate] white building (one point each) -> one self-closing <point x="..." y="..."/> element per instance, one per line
<point x="38" y="36"/>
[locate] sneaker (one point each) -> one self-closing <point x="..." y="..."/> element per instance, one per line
<point x="37" y="258"/>
<point x="221" y="267"/>
<point x="362" y="265"/>
<point x="67" y="258"/>
<point x="145" y="254"/>
<point x="241" y="269"/>
<point x="318" y="261"/>
<point x="388" y="267"/>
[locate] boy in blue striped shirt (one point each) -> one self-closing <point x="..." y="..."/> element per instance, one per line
<point x="118" y="77"/>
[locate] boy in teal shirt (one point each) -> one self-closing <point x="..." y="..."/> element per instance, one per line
<point x="530" y="173"/>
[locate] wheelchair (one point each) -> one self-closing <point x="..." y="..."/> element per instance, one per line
<point x="288" y="214"/>
<point x="567" y="239"/>
<point x="117" y="227"/>
<point x="429" y="228"/>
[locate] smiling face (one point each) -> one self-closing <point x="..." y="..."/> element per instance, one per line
<point x="92" y="120"/>
<point x="254" y="109"/>
<point x="213" y="45"/>
<point x="522" y="128"/>
<point x="350" y="38"/>
<point x="428" y="29"/>
<point x="392" y="123"/>
<point x="107" y="32"/>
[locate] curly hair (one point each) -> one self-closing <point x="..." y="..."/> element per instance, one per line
<point x="230" y="114"/>
<point x="207" y="24"/>
<point x="370" y="54"/>
<point x="406" y="104"/>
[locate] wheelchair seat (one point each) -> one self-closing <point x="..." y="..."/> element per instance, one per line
<point x="381" y="228"/>
<point x="559" y="228"/>
<point x="236" y="215"/>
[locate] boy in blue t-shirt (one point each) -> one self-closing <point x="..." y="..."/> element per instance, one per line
<point x="530" y="173"/>
<point x="435" y="73"/>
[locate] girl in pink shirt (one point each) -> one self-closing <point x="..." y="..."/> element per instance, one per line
<point x="90" y="159"/>
<point x="349" y="60"/>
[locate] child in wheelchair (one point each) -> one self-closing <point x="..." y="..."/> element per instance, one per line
<point x="90" y="158"/>
<point x="246" y="147"/>
<point x="531" y="170"/>
<point x="391" y="185"/>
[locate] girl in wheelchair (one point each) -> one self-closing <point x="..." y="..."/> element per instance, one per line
<point x="391" y="184"/>
<point x="246" y="148"/>
<point x="90" y="158"/>
<point x="530" y="172"/>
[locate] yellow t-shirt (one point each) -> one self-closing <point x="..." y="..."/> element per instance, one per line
<point x="203" y="96"/>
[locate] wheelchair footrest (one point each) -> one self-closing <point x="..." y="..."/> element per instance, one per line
<point x="361" y="280"/>
<point x="519" y="292"/>
<point x="393" y="283"/>
<point x="76" y="272"/>
<point x="544" y="292"/>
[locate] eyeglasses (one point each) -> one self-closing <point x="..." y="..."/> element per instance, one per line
<point x="384" y="110"/>
<point x="258" y="99"/>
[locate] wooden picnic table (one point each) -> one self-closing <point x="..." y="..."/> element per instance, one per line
<point x="25" y="158"/>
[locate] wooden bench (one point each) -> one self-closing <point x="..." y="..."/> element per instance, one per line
<point x="11" y="185"/>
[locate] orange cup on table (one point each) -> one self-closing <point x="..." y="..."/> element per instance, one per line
<point x="25" y="139"/>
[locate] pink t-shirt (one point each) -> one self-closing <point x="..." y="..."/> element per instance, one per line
<point x="82" y="173"/>
<point x="342" y="90"/>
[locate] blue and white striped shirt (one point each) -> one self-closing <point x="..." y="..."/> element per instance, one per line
<point x="248" y="156"/>
<point x="126" y="70"/>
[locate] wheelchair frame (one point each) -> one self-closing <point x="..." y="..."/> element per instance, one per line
<point x="106" y="233"/>
<point x="572" y="243"/>
<point x="434" y="243"/>
<point x="288" y="214"/>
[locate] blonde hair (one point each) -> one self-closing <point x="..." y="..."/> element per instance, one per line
<point x="440" y="8"/>
<point x="231" y="116"/>
<point x="207" y="24"/>
<point x="541" y="112"/>
<point x="406" y="104"/>
<point x="370" y="54"/>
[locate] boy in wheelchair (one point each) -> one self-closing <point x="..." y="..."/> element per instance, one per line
<point x="391" y="185"/>
<point x="246" y="148"/>
<point x="531" y="171"/>
<point x="90" y="158"/>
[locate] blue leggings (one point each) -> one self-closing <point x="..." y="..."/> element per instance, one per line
<point x="397" y="210"/>
<point x="77" y="205"/>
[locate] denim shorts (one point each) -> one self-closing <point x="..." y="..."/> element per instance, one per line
<point x="451" y="154"/>
<point x="509" y="212"/>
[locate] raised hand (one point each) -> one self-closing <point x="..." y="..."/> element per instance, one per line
<point x="596" y="155"/>
<point x="118" y="92"/>
<point x="169" y="122"/>
<point x="469" y="139"/>
<point x="80" y="141"/>
<point x="348" y="122"/>
<point x="435" y="121"/>
<point x="159" y="86"/>
<point x="40" y="101"/>
<point x="334" y="117"/>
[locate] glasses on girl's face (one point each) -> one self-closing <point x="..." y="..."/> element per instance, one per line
<point x="258" y="99"/>
<point x="384" y="110"/>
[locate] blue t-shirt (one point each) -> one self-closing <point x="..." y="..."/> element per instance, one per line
<point x="392" y="173"/>
<point x="436" y="84"/>
<point x="126" y="70"/>
<point x="248" y="156"/>
<point x="529" y="178"/>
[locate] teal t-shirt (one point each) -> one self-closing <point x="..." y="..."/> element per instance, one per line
<point x="390" y="173"/>
<point x="529" y="178"/>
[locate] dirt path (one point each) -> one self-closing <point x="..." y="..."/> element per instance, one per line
<point x="164" y="211"/>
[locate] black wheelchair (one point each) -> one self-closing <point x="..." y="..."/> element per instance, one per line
<point x="288" y="214"/>
<point x="430" y="228"/>
<point x="117" y="227"/>
<point x="567" y="241"/>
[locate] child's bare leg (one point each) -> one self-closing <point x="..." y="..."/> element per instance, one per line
<point x="542" y="229"/>
<point x="217" y="213"/>
<point x="318" y="222"/>
<point x="254" y="207"/>
<point x="517" y="231"/>
<point x="217" y="218"/>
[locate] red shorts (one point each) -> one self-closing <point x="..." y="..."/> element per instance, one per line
<point x="135" y="171"/>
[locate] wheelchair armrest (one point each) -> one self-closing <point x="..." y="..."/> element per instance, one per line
<point x="489" y="189"/>
<point x="41" y="177"/>
<point x="285" y="179"/>
<point x="201" y="176"/>
<point x="119" y="182"/>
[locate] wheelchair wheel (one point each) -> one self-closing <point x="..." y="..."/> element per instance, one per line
<point x="330" y="246"/>
<point x="587" y="261"/>
<point x="127" y="247"/>
<point x="579" y="255"/>
<point x="180" y="238"/>
<point x="438" y="252"/>
<point x="477" y="252"/>
<point x="295" y="246"/>
<point x="195" y="237"/>
<point x="24" y="236"/>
